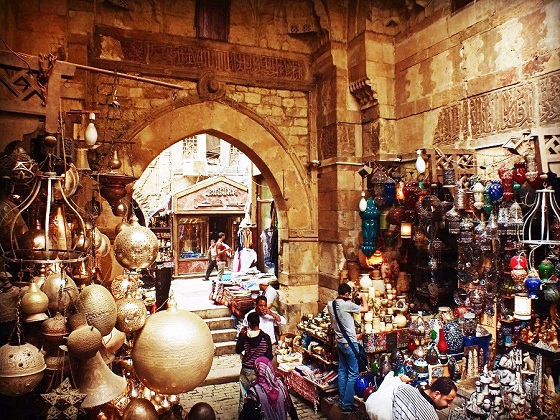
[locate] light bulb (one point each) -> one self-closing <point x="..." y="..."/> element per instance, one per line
<point x="363" y="203"/>
<point x="91" y="131"/>
<point x="420" y="163"/>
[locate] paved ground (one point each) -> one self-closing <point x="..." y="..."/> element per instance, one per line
<point x="192" y="294"/>
<point x="224" y="399"/>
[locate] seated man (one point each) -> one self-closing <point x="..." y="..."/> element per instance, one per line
<point x="410" y="403"/>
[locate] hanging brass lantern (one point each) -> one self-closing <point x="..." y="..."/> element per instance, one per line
<point x="84" y="341"/>
<point x="136" y="247"/>
<point x="57" y="224"/>
<point x="21" y="369"/>
<point x="173" y="353"/>
<point x="123" y="284"/>
<point x="131" y="314"/>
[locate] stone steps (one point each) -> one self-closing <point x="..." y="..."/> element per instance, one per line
<point x="226" y="364"/>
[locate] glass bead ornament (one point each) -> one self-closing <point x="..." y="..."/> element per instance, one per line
<point x="545" y="269"/>
<point x="378" y="180"/>
<point x="518" y="275"/>
<point x="390" y="191"/>
<point x="518" y="260"/>
<point x="495" y="190"/>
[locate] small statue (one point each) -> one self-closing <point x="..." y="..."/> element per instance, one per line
<point x="528" y="363"/>
<point x="549" y="380"/>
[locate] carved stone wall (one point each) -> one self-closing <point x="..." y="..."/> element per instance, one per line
<point x="465" y="78"/>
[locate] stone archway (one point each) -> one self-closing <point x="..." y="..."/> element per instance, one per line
<point x="290" y="181"/>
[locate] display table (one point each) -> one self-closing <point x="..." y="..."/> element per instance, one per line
<point x="301" y="386"/>
<point x="238" y="291"/>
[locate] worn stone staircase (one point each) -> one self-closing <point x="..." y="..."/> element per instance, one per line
<point x="226" y="364"/>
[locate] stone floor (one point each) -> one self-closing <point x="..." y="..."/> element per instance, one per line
<point x="193" y="294"/>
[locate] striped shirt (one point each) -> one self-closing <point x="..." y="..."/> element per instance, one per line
<point x="253" y="348"/>
<point x="409" y="403"/>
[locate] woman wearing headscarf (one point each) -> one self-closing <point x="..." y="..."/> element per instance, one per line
<point x="269" y="392"/>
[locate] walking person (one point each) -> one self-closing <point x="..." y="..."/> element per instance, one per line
<point x="347" y="361"/>
<point x="253" y="343"/>
<point x="212" y="263"/>
<point x="269" y="393"/>
<point x="223" y="252"/>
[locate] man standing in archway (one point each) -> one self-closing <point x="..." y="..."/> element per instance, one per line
<point x="222" y="254"/>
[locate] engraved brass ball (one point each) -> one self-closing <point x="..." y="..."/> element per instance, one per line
<point x="136" y="247"/>
<point x="131" y="314"/>
<point x="173" y="353"/>
<point x="97" y="303"/>
<point x="21" y="369"/>
<point x="84" y="342"/>
<point x="140" y="408"/>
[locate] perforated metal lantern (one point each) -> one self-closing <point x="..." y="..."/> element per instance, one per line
<point x="21" y="369"/>
<point x="136" y="247"/>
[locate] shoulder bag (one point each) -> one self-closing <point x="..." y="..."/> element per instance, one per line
<point x="360" y="353"/>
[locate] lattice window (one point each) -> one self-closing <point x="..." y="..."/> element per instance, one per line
<point x="190" y="148"/>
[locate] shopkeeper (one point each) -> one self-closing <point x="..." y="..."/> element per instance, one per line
<point x="271" y="294"/>
<point x="268" y="318"/>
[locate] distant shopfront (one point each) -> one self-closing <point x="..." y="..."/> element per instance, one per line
<point x="201" y="212"/>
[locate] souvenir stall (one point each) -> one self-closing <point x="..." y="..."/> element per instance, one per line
<point x="460" y="270"/>
<point x="213" y="202"/>
<point x="473" y="290"/>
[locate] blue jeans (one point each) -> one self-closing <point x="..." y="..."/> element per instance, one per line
<point x="347" y="375"/>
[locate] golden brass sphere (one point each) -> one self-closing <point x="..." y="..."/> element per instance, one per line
<point x="131" y="314"/>
<point x="136" y="247"/>
<point x="124" y="284"/>
<point x="140" y="408"/>
<point x="173" y="353"/>
<point x="84" y="342"/>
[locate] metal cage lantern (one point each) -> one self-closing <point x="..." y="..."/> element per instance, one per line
<point x="540" y="218"/>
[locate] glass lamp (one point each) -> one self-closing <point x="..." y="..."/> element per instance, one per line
<point x="522" y="306"/>
<point x="406" y="230"/>
<point x="91" y="131"/>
